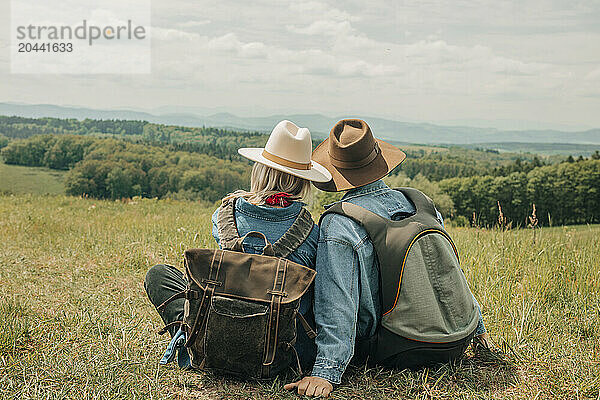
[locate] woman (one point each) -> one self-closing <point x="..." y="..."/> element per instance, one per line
<point x="280" y="180"/>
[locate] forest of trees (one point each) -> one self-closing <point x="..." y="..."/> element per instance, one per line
<point x="114" y="169"/>
<point x="565" y="193"/>
<point x="3" y="141"/>
<point x="221" y="143"/>
<point x="456" y="161"/>
<point x="22" y="128"/>
<point x="151" y="160"/>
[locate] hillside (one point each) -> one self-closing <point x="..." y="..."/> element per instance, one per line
<point x="75" y="321"/>
<point x="398" y="131"/>
<point x="143" y="159"/>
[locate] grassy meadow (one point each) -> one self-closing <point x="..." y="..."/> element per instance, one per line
<point x="17" y="179"/>
<point x="75" y="321"/>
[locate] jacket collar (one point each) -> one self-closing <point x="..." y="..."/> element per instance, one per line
<point x="267" y="212"/>
<point x="373" y="187"/>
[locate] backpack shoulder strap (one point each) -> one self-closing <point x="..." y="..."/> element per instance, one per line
<point x="421" y="201"/>
<point x="295" y="236"/>
<point x="367" y="219"/>
<point x="228" y="233"/>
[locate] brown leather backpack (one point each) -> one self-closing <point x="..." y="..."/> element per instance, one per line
<point x="241" y="309"/>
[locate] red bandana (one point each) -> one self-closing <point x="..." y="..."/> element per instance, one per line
<point x="279" y="199"/>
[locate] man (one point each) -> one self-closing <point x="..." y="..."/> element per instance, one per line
<point x="347" y="305"/>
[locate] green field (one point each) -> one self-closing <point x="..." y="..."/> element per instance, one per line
<point x="75" y="321"/>
<point x="17" y="180"/>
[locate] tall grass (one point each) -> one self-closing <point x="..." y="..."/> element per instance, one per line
<point x="75" y="321"/>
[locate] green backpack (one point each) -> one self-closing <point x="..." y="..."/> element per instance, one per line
<point x="428" y="312"/>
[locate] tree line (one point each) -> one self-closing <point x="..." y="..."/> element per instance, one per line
<point x="202" y="163"/>
<point x="218" y="142"/>
<point x="434" y="164"/>
<point x="565" y="193"/>
<point x="455" y="161"/>
<point x="108" y="168"/>
<point x="22" y="127"/>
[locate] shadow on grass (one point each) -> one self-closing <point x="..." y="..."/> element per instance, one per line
<point x="473" y="376"/>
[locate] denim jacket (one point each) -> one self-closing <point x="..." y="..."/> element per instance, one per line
<point x="346" y="298"/>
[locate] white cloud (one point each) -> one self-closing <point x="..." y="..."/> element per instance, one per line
<point x="231" y="44"/>
<point x="593" y="75"/>
<point x="326" y="65"/>
<point x="363" y="68"/>
<point x="516" y="67"/>
<point x="310" y="61"/>
<point x="478" y="57"/>
<point x="436" y="62"/>
<point x="193" y="23"/>
<point x="323" y="27"/>
<point x="173" y="35"/>
<point x="432" y="52"/>
<point x="320" y="10"/>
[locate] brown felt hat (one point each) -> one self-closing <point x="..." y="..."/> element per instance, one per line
<point x="354" y="157"/>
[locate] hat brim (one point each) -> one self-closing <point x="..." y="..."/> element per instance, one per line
<point x="317" y="172"/>
<point x="344" y="179"/>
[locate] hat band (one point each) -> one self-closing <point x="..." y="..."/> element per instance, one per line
<point x="355" y="164"/>
<point x="284" y="162"/>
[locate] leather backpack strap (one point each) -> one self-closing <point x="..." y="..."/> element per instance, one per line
<point x="273" y="323"/>
<point x="310" y="332"/>
<point x="178" y="295"/>
<point x="212" y="281"/>
<point x="295" y="236"/>
<point x="367" y="219"/>
<point x="165" y="328"/>
<point x="226" y="226"/>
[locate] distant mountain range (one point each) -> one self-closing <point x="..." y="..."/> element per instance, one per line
<point x="319" y="125"/>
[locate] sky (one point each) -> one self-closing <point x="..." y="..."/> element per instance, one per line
<point x="441" y="61"/>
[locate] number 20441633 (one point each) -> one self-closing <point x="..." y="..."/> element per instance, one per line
<point x="25" y="47"/>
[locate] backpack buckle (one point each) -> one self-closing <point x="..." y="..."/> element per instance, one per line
<point x="277" y="293"/>
<point x="211" y="282"/>
<point x="192" y="295"/>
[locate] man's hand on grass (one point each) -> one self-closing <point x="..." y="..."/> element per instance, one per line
<point x="311" y="386"/>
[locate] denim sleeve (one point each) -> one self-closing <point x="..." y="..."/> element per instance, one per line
<point x="336" y="308"/>
<point x="215" y="230"/>
<point x="480" y="330"/>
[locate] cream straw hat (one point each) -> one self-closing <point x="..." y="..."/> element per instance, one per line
<point x="289" y="150"/>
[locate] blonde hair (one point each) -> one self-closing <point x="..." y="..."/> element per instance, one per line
<point x="266" y="181"/>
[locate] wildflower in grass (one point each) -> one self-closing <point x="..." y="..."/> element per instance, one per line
<point x="474" y="223"/>
<point x="533" y="222"/>
<point x="501" y="217"/>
